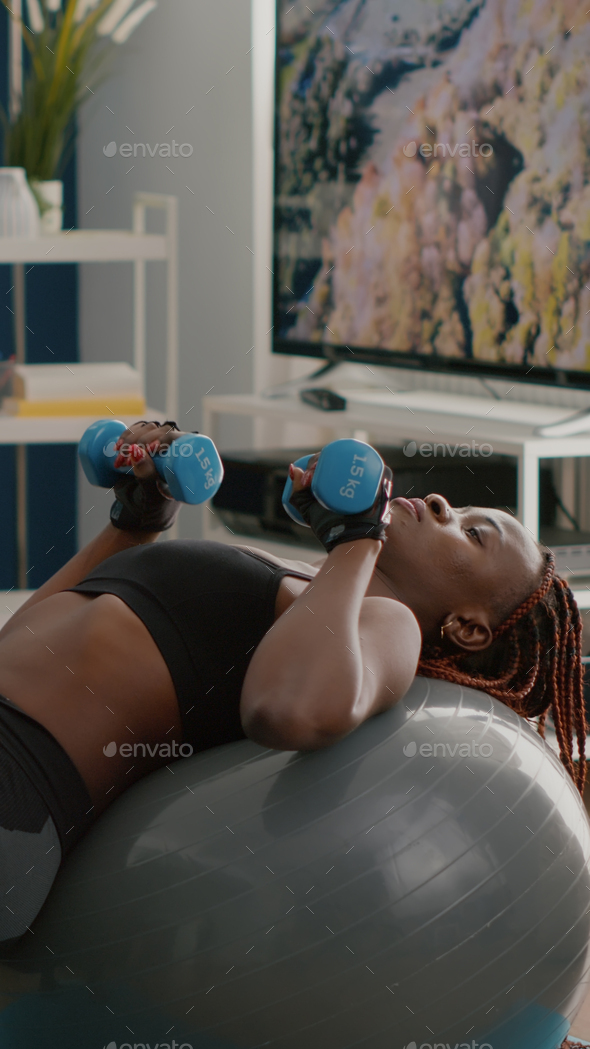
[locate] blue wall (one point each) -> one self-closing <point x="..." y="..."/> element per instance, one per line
<point x="51" y="336"/>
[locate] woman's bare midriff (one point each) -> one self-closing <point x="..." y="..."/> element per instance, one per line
<point x="87" y="668"/>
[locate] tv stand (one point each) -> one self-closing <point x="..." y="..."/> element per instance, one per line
<point x="388" y="414"/>
<point x="574" y="424"/>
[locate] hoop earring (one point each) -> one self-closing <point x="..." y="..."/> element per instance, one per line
<point x="444" y="627"/>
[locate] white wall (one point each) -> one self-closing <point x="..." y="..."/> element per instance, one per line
<point x="176" y="73"/>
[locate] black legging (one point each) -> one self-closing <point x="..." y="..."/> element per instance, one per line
<point x="44" y="810"/>
<point x="30" y="851"/>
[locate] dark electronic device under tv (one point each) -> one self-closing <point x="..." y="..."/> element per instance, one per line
<point x="432" y="206"/>
<point x="249" y="501"/>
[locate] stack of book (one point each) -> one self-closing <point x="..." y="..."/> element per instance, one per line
<point x="74" y="389"/>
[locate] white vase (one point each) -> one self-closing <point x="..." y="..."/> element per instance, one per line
<point x="51" y="194"/>
<point x="19" y="213"/>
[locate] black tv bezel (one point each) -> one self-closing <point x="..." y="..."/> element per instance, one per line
<point x="469" y="367"/>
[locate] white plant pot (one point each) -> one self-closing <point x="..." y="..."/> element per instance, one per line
<point x="52" y="196"/>
<point x="19" y="213"/>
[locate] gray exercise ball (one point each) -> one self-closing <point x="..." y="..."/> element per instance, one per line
<point x="425" y="880"/>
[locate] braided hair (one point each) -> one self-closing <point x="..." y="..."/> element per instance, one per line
<point x="533" y="664"/>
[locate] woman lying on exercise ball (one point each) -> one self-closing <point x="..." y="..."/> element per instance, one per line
<point x="136" y="653"/>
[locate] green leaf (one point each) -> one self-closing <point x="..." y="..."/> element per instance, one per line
<point x="65" y="59"/>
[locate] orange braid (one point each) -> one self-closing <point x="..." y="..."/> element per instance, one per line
<point x="533" y="664"/>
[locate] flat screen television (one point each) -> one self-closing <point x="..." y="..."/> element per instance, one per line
<point x="432" y="185"/>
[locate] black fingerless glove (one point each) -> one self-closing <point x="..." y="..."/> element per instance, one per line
<point x="332" y="528"/>
<point x="143" y="506"/>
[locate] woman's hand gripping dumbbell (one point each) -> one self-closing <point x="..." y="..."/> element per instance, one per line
<point x="342" y="493"/>
<point x="152" y="467"/>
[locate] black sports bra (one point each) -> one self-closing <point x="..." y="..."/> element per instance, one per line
<point x="207" y="607"/>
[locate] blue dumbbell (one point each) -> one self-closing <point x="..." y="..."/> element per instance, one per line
<point x="191" y="467"/>
<point x="346" y="479"/>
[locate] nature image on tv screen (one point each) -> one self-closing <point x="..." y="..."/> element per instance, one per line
<point x="432" y="191"/>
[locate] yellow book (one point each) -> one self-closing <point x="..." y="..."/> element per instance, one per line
<point x="96" y="406"/>
<point x="103" y="388"/>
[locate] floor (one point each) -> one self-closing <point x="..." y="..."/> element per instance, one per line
<point x="10" y="601"/>
<point x="581" y="1025"/>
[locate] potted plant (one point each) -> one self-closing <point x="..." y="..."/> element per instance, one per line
<point x="67" y="44"/>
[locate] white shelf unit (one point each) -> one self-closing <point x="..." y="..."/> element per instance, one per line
<point x="58" y="430"/>
<point x="133" y="246"/>
<point x="421" y="416"/>
<point x="81" y="245"/>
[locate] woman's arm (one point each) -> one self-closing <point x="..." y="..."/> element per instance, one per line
<point x="110" y="541"/>
<point x="333" y="659"/>
<point x="136" y="446"/>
